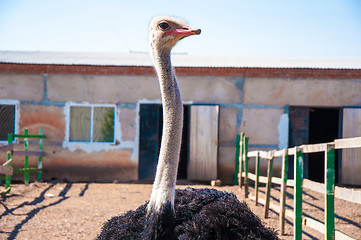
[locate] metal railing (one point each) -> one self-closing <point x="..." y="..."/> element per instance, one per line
<point x="328" y="188"/>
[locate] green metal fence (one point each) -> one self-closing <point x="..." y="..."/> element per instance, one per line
<point x="298" y="183"/>
<point x="7" y="166"/>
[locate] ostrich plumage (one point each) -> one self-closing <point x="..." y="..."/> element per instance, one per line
<point x="206" y="214"/>
<point x="189" y="213"/>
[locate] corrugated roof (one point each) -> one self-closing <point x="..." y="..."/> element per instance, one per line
<point x="179" y="60"/>
<point x="67" y="58"/>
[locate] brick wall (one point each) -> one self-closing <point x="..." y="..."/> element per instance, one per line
<point x="183" y="71"/>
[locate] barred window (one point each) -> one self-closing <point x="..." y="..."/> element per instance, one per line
<point x="91" y="123"/>
<point x="7" y="121"/>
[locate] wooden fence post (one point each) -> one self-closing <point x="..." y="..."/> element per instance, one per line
<point x="283" y="191"/>
<point x="257" y="178"/>
<point x="236" y="165"/>
<point x="330" y="192"/>
<point x="297" y="206"/>
<point x="268" y="186"/>
<point x="26" y="164"/>
<point x="246" y="167"/>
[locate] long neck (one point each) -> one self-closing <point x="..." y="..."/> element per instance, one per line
<point x="165" y="179"/>
<point x="162" y="198"/>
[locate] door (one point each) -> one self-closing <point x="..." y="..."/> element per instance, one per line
<point x="311" y="125"/>
<point x="323" y="127"/>
<point x="203" y="152"/>
<point x="149" y="138"/>
<point x="351" y="158"/>
<point x="150" y="129"/>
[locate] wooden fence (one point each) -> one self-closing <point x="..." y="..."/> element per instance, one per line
<point x="6" y="168"/>
<point x="328" y="188"/>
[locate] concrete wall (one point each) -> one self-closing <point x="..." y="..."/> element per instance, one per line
<point x="102" y="89"/>
<point x="22" y="87"/>
<point x="44" y="103"/>
<point x="302" y="92"/>
<point x="254" y="105"/>
<point x="265" y="102"/>
<point x="132" y="89"/>
<point x="209" y="90"/>
<point x="45" y="100"/>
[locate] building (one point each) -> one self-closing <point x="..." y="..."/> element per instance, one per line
<point x="101" y="113"/>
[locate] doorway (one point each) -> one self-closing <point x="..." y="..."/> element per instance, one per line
<point x="324" y="127"/>
<point x="150" y="130"/>
<point x="311" y="125"/>
<point x="184" y="151"/>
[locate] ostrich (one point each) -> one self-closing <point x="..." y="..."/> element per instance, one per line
<point x="189" y="213"/>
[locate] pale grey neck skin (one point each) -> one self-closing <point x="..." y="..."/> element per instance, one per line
<point x="166" y="175"/>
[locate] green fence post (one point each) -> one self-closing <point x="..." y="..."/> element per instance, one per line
<point x="246" y="167"/>
<point x="257" y="178"/>
<point x="236" y="165"/>
<point x="330" y="192"/>
<point x="26" y="164"/>
<point x="298" y="175"/>
<point x="8" y="177"/>
<point x="283" y="191"/>
<point x="40" y="163"/>
<point x="241" y="168"/>
<point x="268" y="186"/>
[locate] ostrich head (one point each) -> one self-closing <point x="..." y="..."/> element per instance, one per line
<point x="165" y="32"/>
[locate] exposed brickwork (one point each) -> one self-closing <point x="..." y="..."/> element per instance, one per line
<point x="183" y="71"/>
<point x="272" y="72"/>
<point x="75" y="69"/>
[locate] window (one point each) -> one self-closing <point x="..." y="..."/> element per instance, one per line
<point x="7" y="120"/>
<point x="91" y="123"/>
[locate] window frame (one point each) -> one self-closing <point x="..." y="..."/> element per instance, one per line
<point x="16" y="117"/>
<point x="92" y="106"/>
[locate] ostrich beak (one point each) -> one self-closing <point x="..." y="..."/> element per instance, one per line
<point x="184" y="31"/>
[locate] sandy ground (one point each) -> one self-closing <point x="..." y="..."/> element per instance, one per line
<point x="60" y="210"/>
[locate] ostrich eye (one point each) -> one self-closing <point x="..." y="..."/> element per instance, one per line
<point x="164" y="26"/>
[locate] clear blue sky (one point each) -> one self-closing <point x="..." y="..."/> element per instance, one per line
<point x="231" y="28"/>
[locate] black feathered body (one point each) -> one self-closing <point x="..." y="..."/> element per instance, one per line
<point x="161" y="224"/>
<point x="204" y="214"/>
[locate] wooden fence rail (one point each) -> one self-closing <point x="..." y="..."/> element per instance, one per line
<point x="298" y="183"/>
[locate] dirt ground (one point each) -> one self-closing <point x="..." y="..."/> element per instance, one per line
<point x="62" y="210"/>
